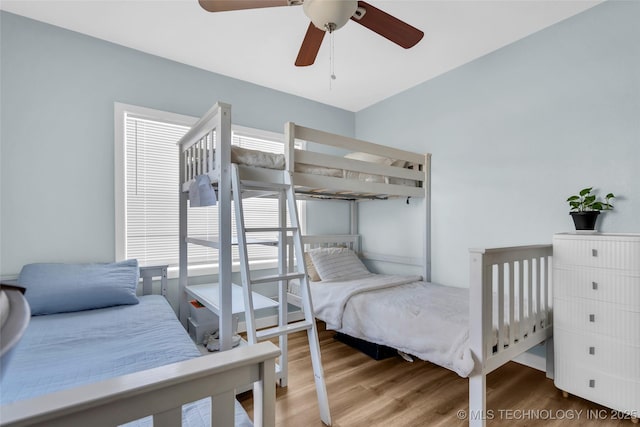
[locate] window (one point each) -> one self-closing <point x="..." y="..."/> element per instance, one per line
<point x="147" y="183"/>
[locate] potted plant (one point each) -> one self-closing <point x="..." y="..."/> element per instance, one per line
<point x="585" y="208"/>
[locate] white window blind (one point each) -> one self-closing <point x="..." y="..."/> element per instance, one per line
<point x="152" y="199"/>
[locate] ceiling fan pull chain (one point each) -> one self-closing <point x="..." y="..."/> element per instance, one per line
<point x="332" y="65"/>
<point x="327" y="16"/>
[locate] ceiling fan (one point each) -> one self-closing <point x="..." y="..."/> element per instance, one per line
<point x="328" y="16"/>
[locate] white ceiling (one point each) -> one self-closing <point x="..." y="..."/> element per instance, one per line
<point x="260" y="45"/>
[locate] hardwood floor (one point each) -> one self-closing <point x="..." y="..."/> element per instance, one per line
<point x="393" y="392"/>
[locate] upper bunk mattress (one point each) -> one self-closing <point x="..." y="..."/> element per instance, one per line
<point x="270" y="160"/>
<point x="61" y="351"/>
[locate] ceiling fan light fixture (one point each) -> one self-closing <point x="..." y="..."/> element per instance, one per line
<point x="329" y="15"/>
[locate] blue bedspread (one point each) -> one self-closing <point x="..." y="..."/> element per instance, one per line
<point x="60" y="351"/>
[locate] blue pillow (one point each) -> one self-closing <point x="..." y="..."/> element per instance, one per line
<point x="59" y="288"/>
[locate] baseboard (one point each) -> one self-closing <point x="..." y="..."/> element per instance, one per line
<point x="534" y="361"/>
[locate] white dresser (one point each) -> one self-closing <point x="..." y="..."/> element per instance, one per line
<point x="596" y="295"/>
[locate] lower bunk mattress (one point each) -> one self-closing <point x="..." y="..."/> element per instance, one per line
<point x="61" y="351"/>
<point x="424" y="319"/>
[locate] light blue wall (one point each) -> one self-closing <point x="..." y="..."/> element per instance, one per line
<point x="516" y="132"/>
<point x="57" y="148"/>
<point x="512" y="135"/>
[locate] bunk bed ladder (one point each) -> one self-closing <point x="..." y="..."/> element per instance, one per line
<point x="286" y="201"/>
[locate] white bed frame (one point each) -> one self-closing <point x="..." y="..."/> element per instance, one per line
<point x="344" y="188"/>
<point x="508" y="272"/>
<point x="206" y="150"/>
<point x="201" y="153"/>
<point x="159" y="392"/>
<point x="522" y="271"/>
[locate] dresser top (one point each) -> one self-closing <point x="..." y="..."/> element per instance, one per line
<point x="595" y="234"/>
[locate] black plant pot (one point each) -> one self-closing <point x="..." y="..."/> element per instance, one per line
<point x="585" y="220"/>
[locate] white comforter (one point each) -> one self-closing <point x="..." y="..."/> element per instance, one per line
<point x="424" y="319"/>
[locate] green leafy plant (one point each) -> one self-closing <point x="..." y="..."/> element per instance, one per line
<point x="586" y="202"/>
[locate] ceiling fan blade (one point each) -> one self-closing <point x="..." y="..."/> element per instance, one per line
<point x="388" y="26"/>
<point x="226" y="5"/>
<point x="310" y="46"/>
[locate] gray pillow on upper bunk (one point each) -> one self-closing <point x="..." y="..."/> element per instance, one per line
<point x="372" y="158"/>
<point x="59" y="288"/>
<point x="258" y="158"/>
<point x="337" y="264"/>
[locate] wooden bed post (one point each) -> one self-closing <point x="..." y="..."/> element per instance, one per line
<point x="479" y="321"/>
<point x="183" y="308"/>
<point x="223" y="172"/>
<point x="283" y="312"/>
<point x="550" y="363"/>
<point x="548" y="320"/>
<point x="477" y="399"/>
<point x="426" y="273"/>
<point x="289" y="146"/>
<point x="353" y="219"/>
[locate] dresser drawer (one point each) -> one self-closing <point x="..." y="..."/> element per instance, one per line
<point x="594" y="317"/>
<point x="597" y="352"/>
<point x="597" y="284"/>
<point x="600" y="252"/>
<point x="621" y="394"/>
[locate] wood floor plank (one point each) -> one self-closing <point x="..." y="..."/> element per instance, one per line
<point x="364" y="392"/>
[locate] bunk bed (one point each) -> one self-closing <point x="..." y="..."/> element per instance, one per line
<point x="96" y="354"/>
<point x="368" y="171"/>
<point x="363" y="171"/>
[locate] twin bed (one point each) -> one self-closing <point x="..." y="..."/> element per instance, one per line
<point x="95" y="354"/>
<point x="471" y="331"/>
